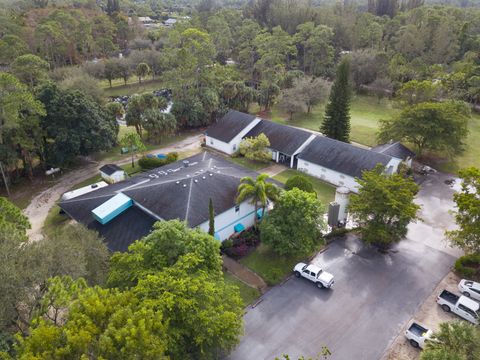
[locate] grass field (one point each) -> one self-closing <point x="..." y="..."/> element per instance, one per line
<point x="249" y="164"/>
<point x="132" y="87"/>
<point x="247" y="293"/>
<point x="365" y="112"/>
<point x="325" y="192"/>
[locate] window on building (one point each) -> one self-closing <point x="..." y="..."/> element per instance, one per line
<point x="342" y="176"/>
<point x="341" y="183"/>
<point x="237" y="208"/>
<point x="234" y="147"/>
<point x="211" y="142"/>
<point x="323" y="169"/>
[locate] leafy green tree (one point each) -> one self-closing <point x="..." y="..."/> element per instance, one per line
<point x="15" y="102"/>
<point x="112" y="70"/>
<point x="467" y="212"/>
<point x="292" y="102"/>
<point x="134" y="143"/>
<point x="138" y="105"/>
<point x="142" y="70"/>
<point x="336" y="123"/>
<point x="12" y="218"/>
<point x="258" y="191"/>
<point x="430" y="126"/>
<point x="159" y="124"/>
<point x="294" y="226"/>
<point x="74" y="125"/>
<point x="11" y="47"/>
<point x="124" y="69"/>
<point x="30" y="69"/>
<point x="115" y="109"/>
<point x="236" y="95"/>
<point x="256" y="148"/>
<point x="204" y="315"/>
<point x="101" y="323"/>
<point x="384" y="206"/>
<point x="300" y="182"/>
<point x="211" y="218"/>
<point x="164" y="246"/>
<point x="456" y="341"/>
<point x="86" y="84"/>
<point x="415" y="92"/>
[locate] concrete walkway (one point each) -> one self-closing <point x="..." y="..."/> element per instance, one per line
<point x="273" y="170"/>
<point x="244" y="274"/>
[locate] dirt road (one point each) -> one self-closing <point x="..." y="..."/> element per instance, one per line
<point x="41" y="204"/>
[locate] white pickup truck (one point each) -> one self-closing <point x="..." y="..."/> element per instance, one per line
<point x="314" y="273"/>
<point x="417" y="335"/>
<point x="461" y="305"/>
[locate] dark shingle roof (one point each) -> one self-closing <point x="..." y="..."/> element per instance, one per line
<point x="169" y="192"/>
<point x="230" y="125"/>
<point x="342" y="157"/>
<point x="396" y="150"/>
<point x="109" y="169"/>
<point x="285" y="139"/>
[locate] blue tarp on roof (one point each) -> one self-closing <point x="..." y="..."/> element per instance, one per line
<point x="161" y="156"/>
<point x="112" y="208"/>
<point x="239" y="227"/>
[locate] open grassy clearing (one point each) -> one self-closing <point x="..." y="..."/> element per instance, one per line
<point x="272" y="267"/>
<point x="365" y="112"/>
<point x="249" y="164"/>
<point x="325" y="192"/>
<point x="247" y="293"/>
<point x="133" y="87"/>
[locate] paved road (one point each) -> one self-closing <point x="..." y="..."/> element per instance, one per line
<point x="374" y="295"/>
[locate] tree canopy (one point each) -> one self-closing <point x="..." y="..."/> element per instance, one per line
<point x="384" y="206"/>
<point x="294" y="226"/>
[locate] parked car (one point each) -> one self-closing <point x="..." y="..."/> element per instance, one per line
<point x="418" y="334"/>
<point x="461" y="305"/>
<point x="469" y="288"/>
<point x="315" y="274"/>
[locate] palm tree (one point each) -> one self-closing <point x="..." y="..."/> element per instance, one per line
<point x="258" y="190"/>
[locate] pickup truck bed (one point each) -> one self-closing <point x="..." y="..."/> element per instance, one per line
<point x="417" y="329"/>
<point x="450" y="297"/>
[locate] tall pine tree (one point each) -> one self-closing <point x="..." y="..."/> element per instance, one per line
<point x="211" y="218"/>
<point x="336" y="123"/>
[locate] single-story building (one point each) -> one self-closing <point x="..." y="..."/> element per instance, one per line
<point x="112" y="173"/>
<point x="340" y="163"/>
<point x="396" y="150"/>
<point x="227" y="133"/>
<point x="286" y="142"/>
<point x="126" y="211"/>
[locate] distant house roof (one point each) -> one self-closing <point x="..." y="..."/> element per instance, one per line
<point x="285" y="139"/>
<point x="342" y="157"/>
<point x="109" y="169"/>
<point x="396" y="150"/>
<point x="230" y="125"/>
<point x="168" y="192"/>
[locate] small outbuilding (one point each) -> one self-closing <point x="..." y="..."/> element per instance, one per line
<point x="396" y="150"/>
<point x="112" y="173"/>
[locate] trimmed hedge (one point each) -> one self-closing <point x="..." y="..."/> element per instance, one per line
<point x="468" y="265"/>
<point x="147" y="163"/>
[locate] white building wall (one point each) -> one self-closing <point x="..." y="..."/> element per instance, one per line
<point x="392" y="166"/>
<point x="225" y="222"/>
<point x="333" y="177"/>
<point x="300" y="149"/>
<point x="233" y="145"/>
<point x="117" y="176"/>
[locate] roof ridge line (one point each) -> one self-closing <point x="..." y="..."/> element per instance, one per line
<point x="188" y="200"/>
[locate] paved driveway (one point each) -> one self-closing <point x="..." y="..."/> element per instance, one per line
<point x="374" y="294"/>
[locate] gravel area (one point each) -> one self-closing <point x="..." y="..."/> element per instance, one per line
<point x="429" y="314"/>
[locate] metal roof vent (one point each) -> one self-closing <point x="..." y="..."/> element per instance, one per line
<point x="210" y="174"/>
<point x="185" y="163"/>
<point x="184" y="185"/>
<point x="188" y="175"/>
<point x="204" y="177"/>
<point x="195" y="180"/>
<point x="218" y="171"/>
<point x="177" y="182"/>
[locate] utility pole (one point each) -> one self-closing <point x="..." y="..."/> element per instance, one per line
<point x="4" y="179"/>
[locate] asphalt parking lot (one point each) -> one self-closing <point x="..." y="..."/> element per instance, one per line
<point x="374" y="294"/>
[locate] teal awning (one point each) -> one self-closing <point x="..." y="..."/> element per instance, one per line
<point x="259" y="213"/>
<point x="239" y="227"/>
<point x="216" y="236"/>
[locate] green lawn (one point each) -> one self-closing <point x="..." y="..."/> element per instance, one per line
<point x="249" y="164"/>
<point x="54" y="220"/>
<point x="247" y="293"/>
<point x="271" y="267"/>
<point x="366" y="111"/>
<point x="132" y="87"/>
<point x="325" y="192"/>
